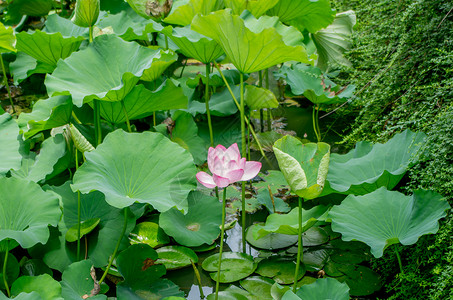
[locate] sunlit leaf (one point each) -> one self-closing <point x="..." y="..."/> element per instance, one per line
<point x="7" y="39"/>
<point x="183" y="14"/>
<point x="148" y="233"/>
<point x="47" y="287"/>
<point x="259" y="98"/>
<point x="86" y="12"/>
<point x="256" y="7"/>
<point x="176" y="257"/>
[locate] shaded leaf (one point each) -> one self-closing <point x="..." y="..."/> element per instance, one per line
<point x="324" y="288"/>
<point x="9" y="144"/>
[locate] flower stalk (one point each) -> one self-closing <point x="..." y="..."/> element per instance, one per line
<point x="222" y="235"/>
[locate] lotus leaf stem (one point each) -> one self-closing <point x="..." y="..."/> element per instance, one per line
<point x="244" y="154"/>
<point x="315" y="123"/>
<point x="197" y="275"/>
<point x="269" y="116"/>
<point x="399" y="258"/>
<point x="91" y="34"/>
<point x="5" y="262"/>
<point x="128" y="123"/>
<point x="116" y="248"/>
<point x="97" y="122"/>
<point x="300" y="247"/>
<point x="5" y="83"/>
<point x="79" y="204"/>
<point x="222" y="235"/>
<point x="206" y="99"/>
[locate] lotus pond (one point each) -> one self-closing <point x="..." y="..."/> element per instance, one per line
<point x="186" y="149"/>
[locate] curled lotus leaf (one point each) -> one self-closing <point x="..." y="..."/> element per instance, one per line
<point x="248" y="51"/>
<point x="383" y="218"/>
<point x="138" y="167"/>
<point x="86" y="12"/>
<point x="304" y="166"/>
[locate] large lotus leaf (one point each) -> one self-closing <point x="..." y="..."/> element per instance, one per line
<point x="196" y="227"/>
<point x="141" y="102"/>
<point x="130" y="26"/>
<point x="7" y="39"/>
<point x="194" y="45"/>
<point x="221" y="104"/>
<point x="281" y="269"/>
<point x="90" y="74"/>
<point x="26" y="212"/>
<point x="368" y="167"/>
<point x="324" y="288"/>
<point x="184" y="14"/>
<point x="138" y="167"/>
<point x="259" y="98"/>
<point x="248" y="51"/>
<point x="271" y="241"/>
<point x="304" y="166"/>
<point x="161" y="289"/>
<point x="289" y="223"/>
<point x="256" y="7"/>
<point x="9" y="144"/>
<point x="47" y="114"/>
<point x="165" y="59"/>
<point x="55" y="23"/>
<point x="25" y="66"/>
<point x="334" y="40"/>
<point x="309" y="81"/>
<point x="176" y="257"/>
<point x="383" y="218"/>
<point x="23" y="296"/>
<point x="47" y="287"/>
<point x="30" y="7"/>
<point x="47" y="47"/>
<point x="77" y="282"/>
<point x="258" y="286"/>
<point x="100" y="243"/>
<point x="234" y="267"/>
<point x="309" y="14"/>
<point x="37" y="168"/>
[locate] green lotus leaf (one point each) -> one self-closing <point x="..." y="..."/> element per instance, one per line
<point x="86" y="227"/>
<point x="9" y="144"/>
<point x="251" y="205"/>
<point x="258" y="286"/>
<point x="335" y="40"/>
<point x="141" y="102"/>
<point x="304" y="166"/>
<point x="138" y="167"/>
<point x="192" y="44"/>
<point x="221" y="104"/>
<point x="185" y="134"/>
<point x="196" y="227"/>
<point x="86" y="12"/>
<point x="47" y="287"/>
<point x="235" y="266"/>
<point x="7" y="39"/>
<point x="267" y="140"/>
<point x="228" y="295"/>
<point x="23" y="296"/>
<point x="77" y="282"/>
<point x="55" y="23"/>
<point x="47" y="114"/>
<point x="176" y="257"/>
<point x="271" y="241"/>
<point x="31" y="7"/>
<point x="256" y="7"/>
<point x="280" y="269"/>
<point x="89" y="74"/>
<point x="27" y="211"/>
<point x="315" y="260"/>
<point x="361" y="280"/>
<point x="34" y="267"/>
<point x="289" y="223"/>
<point x="163" y="61"/>
<point x="259" y="98"/>
<point x="383" y="218"/>
<point x="247" y="50"/>
<point x="48" y="48"/>
<point x="184" y="14"/>
<point x="12" y="268"/>
<point x="129" y="26"/>
<point x="37" y="167"/>
<point x="275" y="179"/>
<point x="114" y="6"/>
<point x="151" y="9"/>
<point x="137" y="266"/>
<point x="324" y="288"/>
<point x="25" y="66"/>
<point x="310" y="82"/>
<point x="315" y="236"/>
<point x="148" y="233"/>
<point x="79" y="140"/>
<point x="161" y="289"/>
<point x="274" y="205"/>
<point x="59" y="254"/>
<point x="368" y="167"/>
<point x="309" y="14"/>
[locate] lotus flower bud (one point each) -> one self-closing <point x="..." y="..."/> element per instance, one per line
<point x="86" y="12"/>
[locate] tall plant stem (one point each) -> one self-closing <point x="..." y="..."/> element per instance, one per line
<point x="315" y="124"/>
<point x="126" y="115"/>
<point x="91" y="34"/>
<point x="5" y="83"/>
<point x="97" y="122"/>
<point x="197" y="275"/>
<point x="399" y="258"/>
<point x="206" y="99"/>
<point x="116" y="248"/>
<point x="260" y="84"/>
<point x="244" y="154"/>
<point x="222" y="235"/>
<point x="300" y="247"/>
<point x="269" y="116"/>
<point x="5" y="262"/>
<point x="79" y="205"/>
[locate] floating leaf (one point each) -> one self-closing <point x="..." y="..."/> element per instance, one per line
<point x="77" y="282"/>
<point x="277" y="205"/>
<point x="183" y="14"/>
<point x="368" y="167"/>
<point x="383" y="218"/>
<point x="361" y="280"/>
<point x="148" y="233"/>
<point x="102" y="80"/>
<point x="304" y="166"/>
<point x="86" y="227"/>
<point x="9" y="144"/>
<point x="314" y="236"/>
<point x="47" y="287"/>
<point x="258" y="286"/>
<point x="315" y="260"/>
<point x="248" y="51"/>
<point x="235" y="266"/>
<point x="280" y="269"/>
<point x="271" y="241"/>
<point x="149" y="168"/>
<point x="7" y="39"/>
<point x="176" y="257"/>
<point x="196" y="227"/>
<point x="324" y="288"/>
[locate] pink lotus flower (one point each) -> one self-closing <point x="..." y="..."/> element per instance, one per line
<point x="227" y="167"/>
